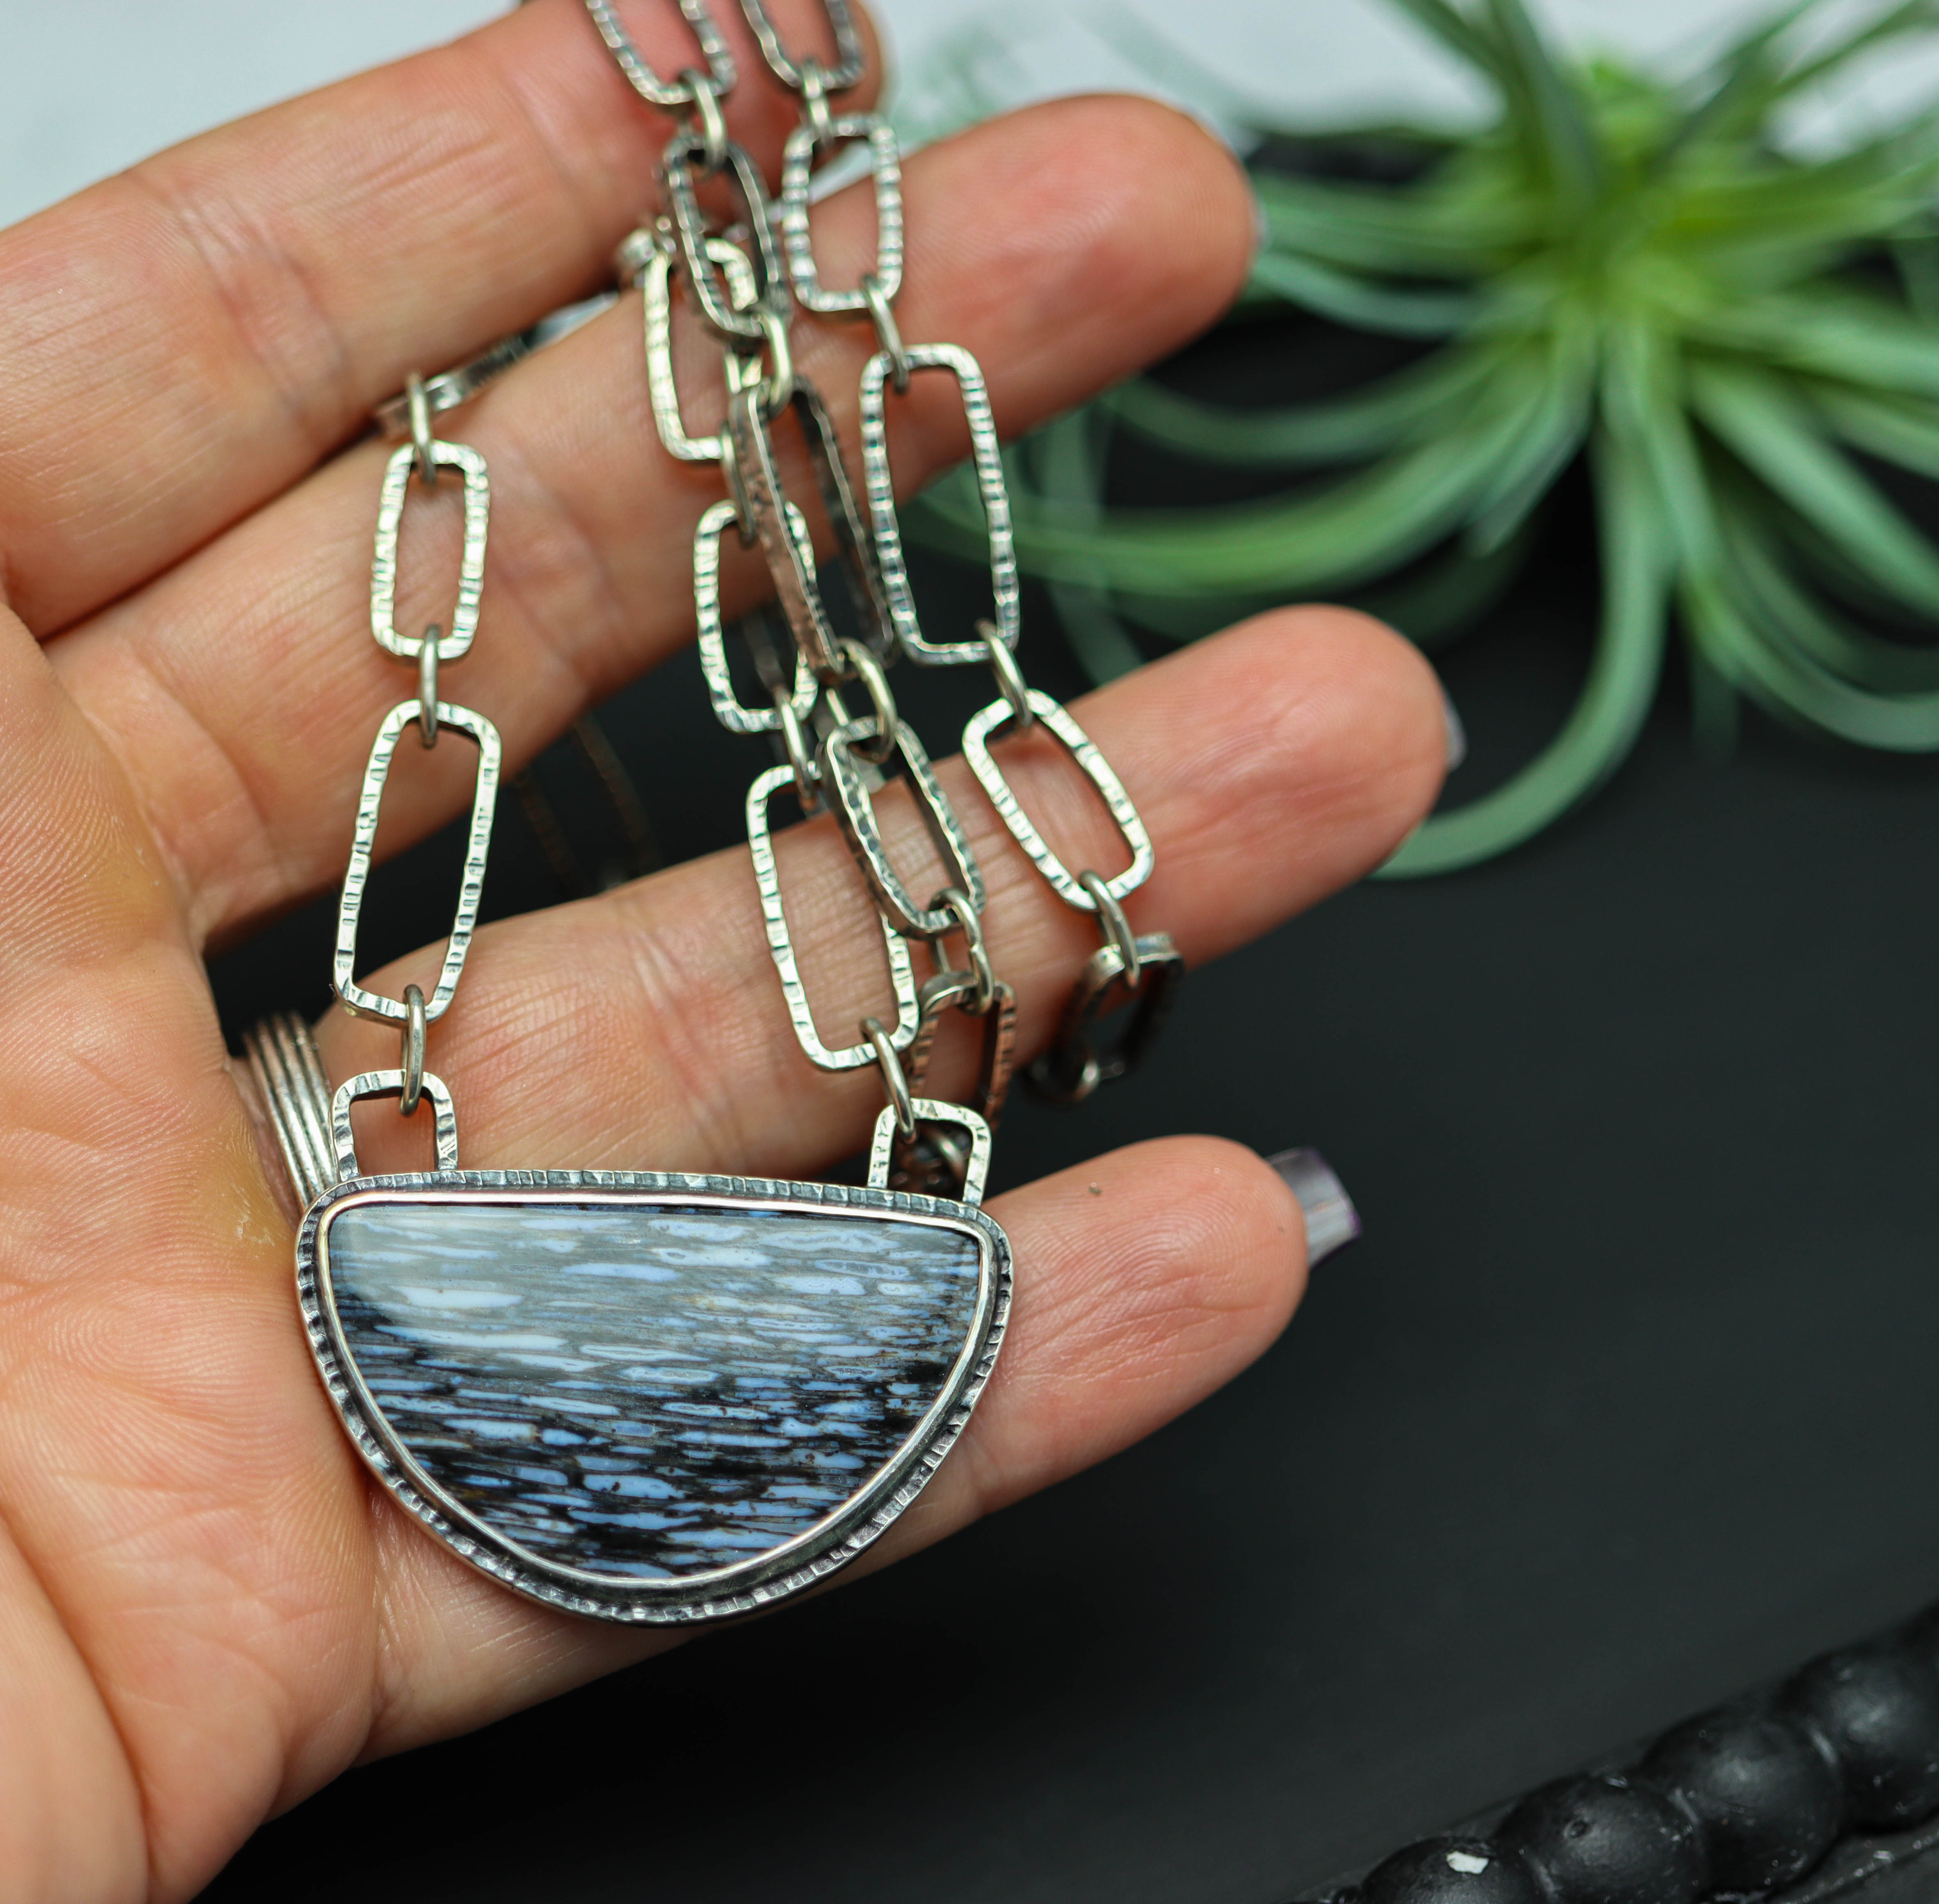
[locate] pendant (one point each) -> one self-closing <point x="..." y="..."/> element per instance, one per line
<point x="644" y="1396"/>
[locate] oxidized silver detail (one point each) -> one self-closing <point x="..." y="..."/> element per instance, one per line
<point x="986" y="454"/>
<point x="781" y="943"/>
<point x="1057" y="719"/>
<point x="465" y="921"/>
<point x="1073" y="1067"/>
<point x="464" y="623"/>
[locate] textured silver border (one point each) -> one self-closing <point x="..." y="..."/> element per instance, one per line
<point x="739" y="1588"/>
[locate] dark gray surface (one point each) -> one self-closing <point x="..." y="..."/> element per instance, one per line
<point x="643" y="1392"/>
<point x="1625" y="1403"/>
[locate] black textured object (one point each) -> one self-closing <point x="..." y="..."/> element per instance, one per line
<point x="1452" y="1871"/>
<point x="1769" y="1803"/>
<point x="1603" y="1839"/>
<point x="1876" y="1710"/>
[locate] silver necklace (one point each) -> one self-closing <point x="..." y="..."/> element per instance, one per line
<point x="657" y="1396"/>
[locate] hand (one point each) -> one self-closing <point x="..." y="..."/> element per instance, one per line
<point x="206" y="1610"/>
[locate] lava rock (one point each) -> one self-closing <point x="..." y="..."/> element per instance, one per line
<point x="1875" y="1709"/>
<point x="1452" y="1871"/>
<point x="1601" y="1839"/>
<point x="1768" y="1803"/>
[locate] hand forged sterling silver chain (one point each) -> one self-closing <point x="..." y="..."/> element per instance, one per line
<point x="744" y="283"/>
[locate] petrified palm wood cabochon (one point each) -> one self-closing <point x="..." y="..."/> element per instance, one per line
<point x="650" y="1397"/>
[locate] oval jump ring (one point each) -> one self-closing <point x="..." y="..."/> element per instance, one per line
<point x="1117" y="929"/>
<point x="411" y="1053"/>
<point x="865" y="668"/>
<point x="900" y="1101"/>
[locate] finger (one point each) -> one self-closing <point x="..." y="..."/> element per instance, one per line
<point x="186" y="339"/>
<point x="241" y="690"/>
<point x="1144" y="1281"/>
<point x="646" y="1029"/>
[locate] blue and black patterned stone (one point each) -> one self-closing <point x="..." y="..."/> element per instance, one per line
<point x="649" y="1392"/>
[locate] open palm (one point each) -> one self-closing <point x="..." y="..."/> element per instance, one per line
<point x="206" y="1610"/>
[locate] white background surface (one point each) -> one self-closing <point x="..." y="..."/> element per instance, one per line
<point x="85" y="90"/>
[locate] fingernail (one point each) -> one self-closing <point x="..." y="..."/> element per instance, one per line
<point x="1457" y="734"/>
<point x="1331" y="1221"/>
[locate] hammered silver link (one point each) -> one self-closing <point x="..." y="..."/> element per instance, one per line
<point x="798" y="158"/>
<point x="931" y="1110"/>
<point x="849" y="56"/>
<point x="714" y="522"/>
<point x="355" y="998"/>
<point x="1057" y="719"/>
<point x="854" y="809"/>
<point x="986" y="454"/>
<point x="662" y="388"/>
<point x="386" y="1084"/>
<point x="781" y="944"/>
<point x="670" y="96"/>
<point x="683" y="203"/>
<point x="464" y="622"/>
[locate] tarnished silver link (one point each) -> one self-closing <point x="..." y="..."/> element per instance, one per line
<point x="1115" y="927"/>
<point x="936" y="1163"/>
<point x="854" y="809"/>
<point x="411" y="1053"/>
<point x="795" y="586"/>
<point x="777" y="388"/>
<point x="449" y="388"/>
<point x="895" y="1084"/>
<point x="670" y="96"/>
<point x="464" y="623"/>
<point x="986" y="454"/>
<point x="1057" y="719"/>
<point x="804" y="144"/>
<point x="1075" y="1066"/>
<point x="781" y="944"/>
<point x="689" y="224"/>
<point x="739" y="280"/>
<point x="849" y="58"/>
<point x="801" y="755"/>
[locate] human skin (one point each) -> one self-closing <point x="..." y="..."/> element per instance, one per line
<point x="207" y="1609"/>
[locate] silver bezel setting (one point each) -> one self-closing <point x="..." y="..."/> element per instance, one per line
<point x="742" y="1587"/>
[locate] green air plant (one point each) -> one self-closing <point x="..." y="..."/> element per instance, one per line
<point x="1629" y="268"/>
